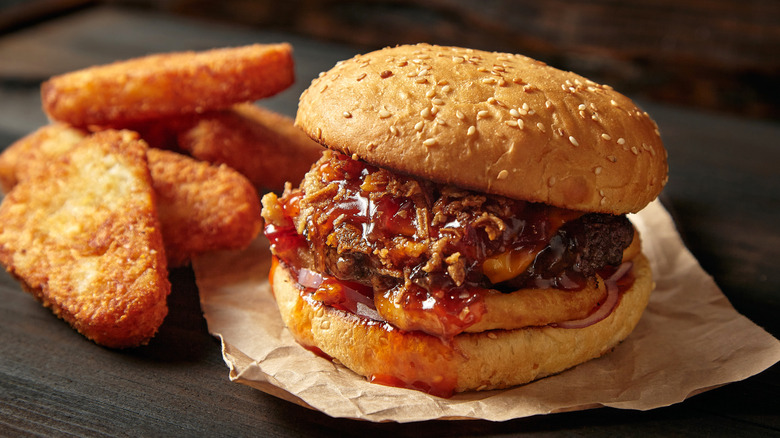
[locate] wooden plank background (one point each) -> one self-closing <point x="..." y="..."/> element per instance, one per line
<point x="721" y="55"/>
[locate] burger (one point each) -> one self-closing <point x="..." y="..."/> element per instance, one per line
<point x="465" y="228"/>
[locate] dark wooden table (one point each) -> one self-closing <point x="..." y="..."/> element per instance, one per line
<point x="724" y="193"/>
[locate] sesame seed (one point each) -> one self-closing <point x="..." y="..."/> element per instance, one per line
<point x="582" y="107"/>
<point x="429" y="142"/>
<point x="385" y="74"/>
<point x="613" y="102"/>
<point x="503" y="174"/>
<point x="446" y="89"/>
<point x="430" y="93"/>
<point x="502" y="82"/>
<point x="612" y="158"/>
<point x="601" y="192"/>
<point x="419" y="126"/>
<point x="621" y="140"/>
<point x="421" y="80"/>
<point x="426" y="113"/>
<point x="634" y="150"/>
<point x="441" y="122"/>
<point x="434" y="110"/>
<point x="394" y="130"/>
<point x="551" y="182"/>
<point x="460" y="115"/>
<point x="362" y="75"/>
<point x="442" y="82"/>
<point x="540" y="125"/>
<point x="482" y="114"/>
<point x="573" y="141"/>
<point x="514" y="113"/>
<point x="511" y="123"/>
<point x="603" y="201"/>
<point x="437" y="101"/>
<point x="319" y="133"/>
<point x="606" y="136"/>
<point x="548" y="104"/>
<point x="597" y="170"/>
<point x="489" y="81"/>
<point x="347" y="114"/>
<point x="472" y="130"/>
<point x="383" y="114"/>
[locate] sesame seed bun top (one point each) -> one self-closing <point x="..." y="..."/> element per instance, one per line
<point x="492" y="122"/>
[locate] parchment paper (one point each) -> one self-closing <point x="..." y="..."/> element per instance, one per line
<point x="689" y="339"/>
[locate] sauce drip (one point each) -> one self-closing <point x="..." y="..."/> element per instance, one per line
<point x="428" y="248"/>
<point x="412" y="360"/>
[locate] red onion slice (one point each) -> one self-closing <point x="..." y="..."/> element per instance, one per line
<point x="354" y="298"/>
<point x="356" y="302"/>
<point x="309" y="278"/>
<point x="610" y="303"/>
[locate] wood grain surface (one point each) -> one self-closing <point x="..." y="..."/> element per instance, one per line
<point x="724" y="193"/>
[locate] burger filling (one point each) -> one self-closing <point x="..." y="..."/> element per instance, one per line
<point x="440" y="259"/>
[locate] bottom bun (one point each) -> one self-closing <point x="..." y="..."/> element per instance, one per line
<point x="469" y="361"/>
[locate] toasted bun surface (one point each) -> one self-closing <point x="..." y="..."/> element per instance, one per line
<point x="492" y="122"/>
<point x="473" y="361"/>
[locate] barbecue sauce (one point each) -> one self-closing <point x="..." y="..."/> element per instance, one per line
<point x="401" y="227"/>
<point x="412" y="360"/>
<point x="380" y="220"/>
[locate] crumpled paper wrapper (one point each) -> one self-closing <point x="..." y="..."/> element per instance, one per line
<point x="690" y="339"/>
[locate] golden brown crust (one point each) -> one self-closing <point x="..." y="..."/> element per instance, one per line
<point x="84" y="238"/>
<point x="476" y="361"/>
<point x="493" y="122"/>
<point x="34" y="151"/>
<point x="168" y="84"/>
<point x="262" y="145"/>
<point x="202" y="207"/>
